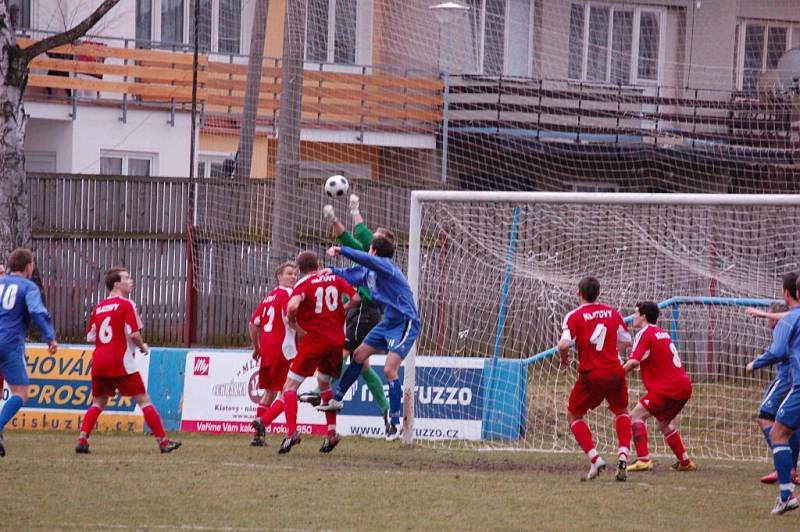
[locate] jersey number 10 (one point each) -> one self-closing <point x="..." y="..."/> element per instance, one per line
<point x="8" y="295"/>
<point x="330" y="296"/>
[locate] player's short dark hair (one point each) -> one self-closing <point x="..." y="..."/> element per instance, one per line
<point x="649" y="310"/>
<point x="19" y="259"/>
<point x="307" y="262"/>
<point x="589" y="288"/>
<point x="288" y="264"/>
<point x="113" y="276"/>
<point x="388" y="233"/>
<point x="778" y="307"/>
<point x="790" y="284"/>
<point x="383" y="247"/>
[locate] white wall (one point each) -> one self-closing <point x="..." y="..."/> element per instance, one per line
<point x="60" y="15"/>
<point x="51" y="135"/>
<point x="79" y="143"/>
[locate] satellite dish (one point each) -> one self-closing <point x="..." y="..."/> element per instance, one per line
<point x="789" y="71"/>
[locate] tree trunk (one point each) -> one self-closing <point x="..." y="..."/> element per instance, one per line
<point x="244" y="159"/>
<point x="284" y="218"/>
<point x="15" y="227"/>
<point x="15" y="224"/>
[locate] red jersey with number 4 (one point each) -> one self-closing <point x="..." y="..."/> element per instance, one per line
<point x="277" y="339"/>
<point x="661" y="367"/>
<point x="321" y="313"/>
<point x="109" y="326"/>
<point x="595" y="328"/>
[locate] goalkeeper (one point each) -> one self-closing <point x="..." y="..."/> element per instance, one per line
<point x="361" y="319"/>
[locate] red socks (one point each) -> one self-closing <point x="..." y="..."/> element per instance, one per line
<point x="583" y="435"/>
<point x="261" y="409"/>
<point x="269" y="414"/>
<point x="330" y="416"/>
<point x="89" y="419"/>
<point x="624" y="435"/>
<point x="290" y="408"/>
<point x="153" y="420"/>
<point x="640" y="439"/>
<point x="675" y="443"/>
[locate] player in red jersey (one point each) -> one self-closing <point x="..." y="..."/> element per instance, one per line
<point x="317" y="312"/>
<point x="273" y="343"/>
<point x="668" y="388"/>
<point x="115" y="327"/>
<point x="598" y="332"/>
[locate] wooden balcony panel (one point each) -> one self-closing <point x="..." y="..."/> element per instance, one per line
<point x="269" y="69"/>
<point x="163" y="92"/>
<point x="236" y="86"/>
<point x="160" y="57"/>
<point x="110" y="69"/>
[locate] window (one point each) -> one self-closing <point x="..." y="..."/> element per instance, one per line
<point x="215" y="164"/>
<point x="339" y="31"/>
<point x="615" y="44"/>
<point x="171" y="22"/>
<point x="20" y="12"/>
<point x="759" y="46"/>
<point x="501" y="35"/>
<point x="119" y="163"/>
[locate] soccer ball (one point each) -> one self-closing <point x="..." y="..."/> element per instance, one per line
<point x="336" y="186"/>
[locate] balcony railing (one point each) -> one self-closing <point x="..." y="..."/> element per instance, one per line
<point x="560" y="109"/>
<point x="370" y="99"/>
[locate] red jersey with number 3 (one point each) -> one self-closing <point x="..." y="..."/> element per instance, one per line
<point x="321" y="313"/>
<point x="109" y="326"/>
<point x="595" y="328"/>
<point x="276" y="339"/>
<point x="661" y="368"/>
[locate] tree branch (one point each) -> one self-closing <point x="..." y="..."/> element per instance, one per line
<point x="70" y="35"/>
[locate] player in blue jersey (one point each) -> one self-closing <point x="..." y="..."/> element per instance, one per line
<point x="396" y="332"/>
<point x="20" y="303"/>
<point x="777" y="389"/>
<point x="786" y="345"/>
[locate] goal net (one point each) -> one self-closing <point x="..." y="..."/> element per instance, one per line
<point x="495" y="273"/>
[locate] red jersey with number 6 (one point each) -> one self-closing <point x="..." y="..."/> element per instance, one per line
<point x="109" y="326"/>
<point x="595" y="328"/>
<point x="661" y="367"/>
<point x="277" y="339"/>
<point x="321" y="313"/>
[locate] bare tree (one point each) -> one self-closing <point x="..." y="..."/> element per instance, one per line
<point x="15" y="227"/>
<point x="244" y="157"/>
<point x="284" y="219"/>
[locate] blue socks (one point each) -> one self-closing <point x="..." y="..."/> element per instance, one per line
<point x="766" y="431"/>
<point x="11" y="407"/>
<point x="350" y="376"/>
<point x="395" y="397"/>
<point x="782" y="456"/>
<point x="794" y="445"/>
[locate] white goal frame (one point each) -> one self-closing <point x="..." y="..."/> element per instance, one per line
<point x="607" y="198"/>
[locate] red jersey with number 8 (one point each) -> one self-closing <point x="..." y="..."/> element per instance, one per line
<point x="661" y="367"/>
<point x="321" y="313"/>
<point x="109" y="326"/>
<point x="595" y="329"/>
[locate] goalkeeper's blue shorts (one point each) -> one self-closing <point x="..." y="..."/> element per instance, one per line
<point x="393" y="336"/>
<point x="773" y="397"/>
<point x="789" y="411"/>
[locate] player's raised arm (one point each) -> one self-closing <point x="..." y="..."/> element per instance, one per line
<point x="368" y="260"/>
<point x="779" y="349"/>
<point x="770" y="315"/>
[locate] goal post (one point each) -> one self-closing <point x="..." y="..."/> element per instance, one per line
<point x="495" y="272"/>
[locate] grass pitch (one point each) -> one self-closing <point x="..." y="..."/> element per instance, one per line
<point x="219" y="482"/>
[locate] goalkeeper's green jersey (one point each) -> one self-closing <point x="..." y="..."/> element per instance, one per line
<point x="360" y="239"/>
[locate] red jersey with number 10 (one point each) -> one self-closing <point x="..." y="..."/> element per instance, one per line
<point x="321" y="313"/>
<point x="661" y="367"/>
<point x="109" y="326"/>
<point x="595" y="328"/>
